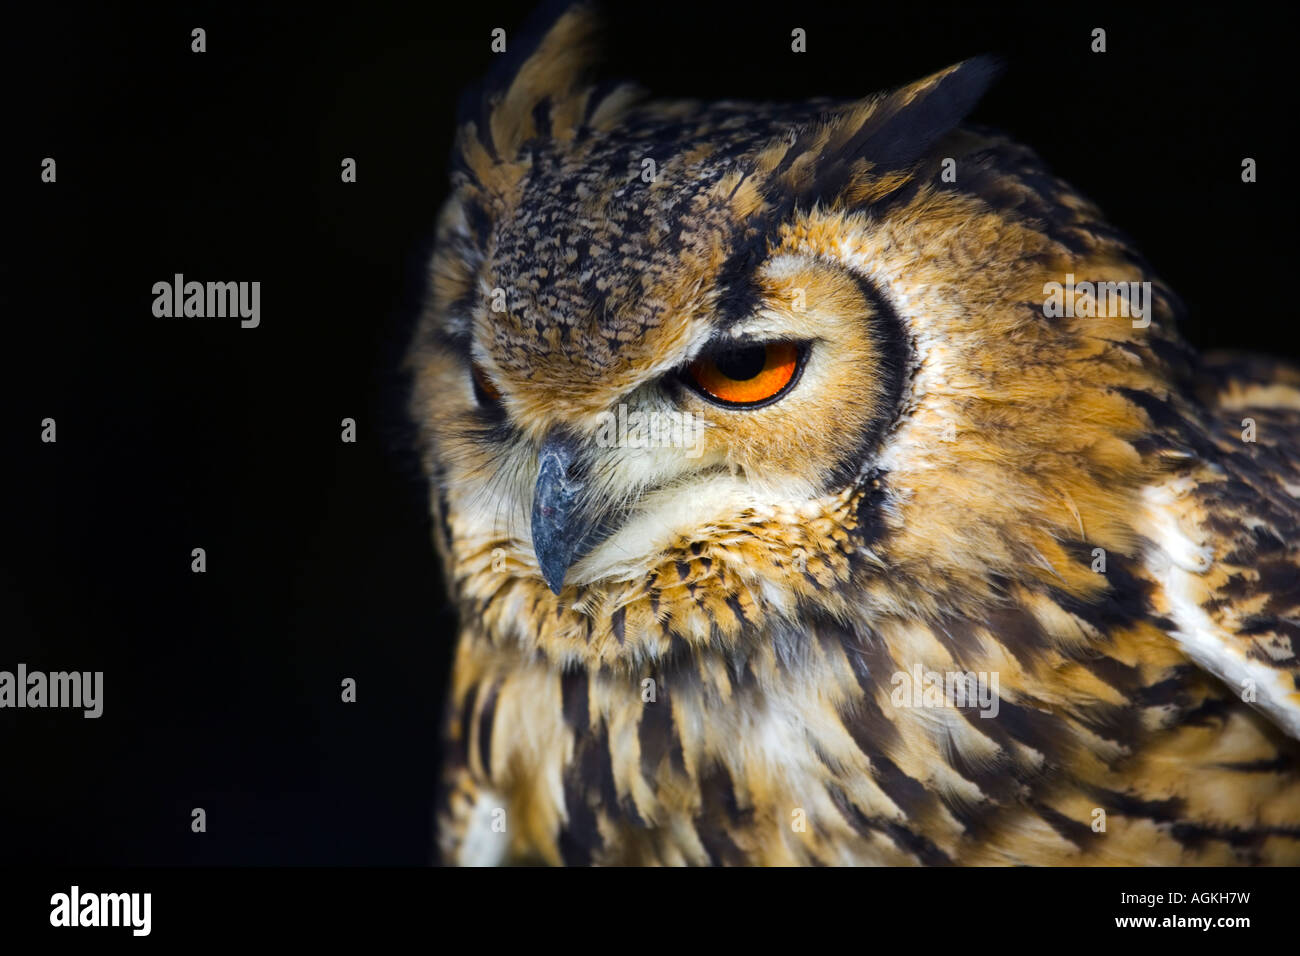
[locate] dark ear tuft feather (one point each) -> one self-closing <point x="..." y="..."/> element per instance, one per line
<point x="547" y="65"/>
<point x="909" y="122"/>
<point x="880" y="135"/>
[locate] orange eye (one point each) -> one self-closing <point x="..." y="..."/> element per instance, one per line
<point x="746" y="374"/>
<point x="484" y="390"/>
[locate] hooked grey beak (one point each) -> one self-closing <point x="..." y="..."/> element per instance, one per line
<point x="559" y="530"/>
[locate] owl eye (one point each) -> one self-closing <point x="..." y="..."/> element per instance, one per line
<point x="484" y="391"/>
<point x="747" y="375"/>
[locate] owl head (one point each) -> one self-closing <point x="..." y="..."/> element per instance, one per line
<point x="689" y="370"/>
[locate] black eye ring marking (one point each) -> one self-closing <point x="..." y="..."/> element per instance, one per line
<point x="486" y="394"/>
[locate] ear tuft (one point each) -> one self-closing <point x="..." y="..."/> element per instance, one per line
<point x="909" y="122"/>
<point x="885" y="136"/>
<point x="538" y="87"/>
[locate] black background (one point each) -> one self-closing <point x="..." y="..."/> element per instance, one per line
<point x="222" y="690"/>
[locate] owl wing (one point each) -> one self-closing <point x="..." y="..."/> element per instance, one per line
<point x="1225" y="533"/>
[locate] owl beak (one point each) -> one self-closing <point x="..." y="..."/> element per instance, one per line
<point x="558" y="532"/>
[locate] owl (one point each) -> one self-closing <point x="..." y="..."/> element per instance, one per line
<point x="827" y="483"/>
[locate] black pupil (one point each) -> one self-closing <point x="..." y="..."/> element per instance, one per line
<point x="741" y="364"/>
